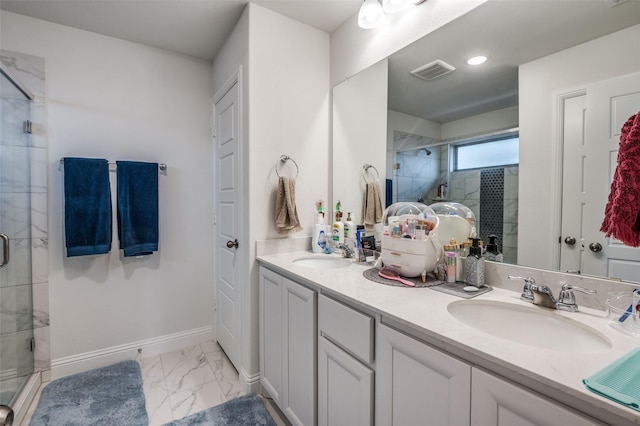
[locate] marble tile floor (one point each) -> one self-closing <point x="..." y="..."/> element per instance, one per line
<point x="180" y="383"/>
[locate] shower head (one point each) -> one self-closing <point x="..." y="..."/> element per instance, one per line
<point x="426" y="151"/>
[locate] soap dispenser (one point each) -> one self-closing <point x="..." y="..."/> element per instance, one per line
<point x="492" y="252"/>
<point x="349" y="227"/>
<point x="474" y="265"/>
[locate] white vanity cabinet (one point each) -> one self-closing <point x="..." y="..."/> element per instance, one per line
<point x="345" y="352"/>
<point x="288" y="346"/>
<point x="496" y="402"/>
<point x="417" y="384"/>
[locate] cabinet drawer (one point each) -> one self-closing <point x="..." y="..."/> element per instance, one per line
<point x="347" y="327"/>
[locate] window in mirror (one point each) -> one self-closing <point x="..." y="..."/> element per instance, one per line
<point x="491" y="152"/>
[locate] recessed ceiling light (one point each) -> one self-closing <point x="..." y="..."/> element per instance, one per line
<point x="477" y="60"/>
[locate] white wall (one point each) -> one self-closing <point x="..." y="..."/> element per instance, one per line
<point x="112" y="99"/>
<point x="286" y="111"/>
<point x="359" y="129"/>
<point x="540" y="82"/>
<point x="354" y="49"/>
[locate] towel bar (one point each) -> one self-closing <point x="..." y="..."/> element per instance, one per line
<point x="161" y="166"/>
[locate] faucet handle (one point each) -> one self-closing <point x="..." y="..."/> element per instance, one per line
<point x="567" y="298"/>
<point x="527" y="294"/>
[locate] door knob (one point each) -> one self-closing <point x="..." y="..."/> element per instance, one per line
<point x="570" y="240"/>
<point x="232" y="244"/>
<point x="595" y="247"/>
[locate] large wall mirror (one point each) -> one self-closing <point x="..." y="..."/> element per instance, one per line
<point x="559" y="75"/>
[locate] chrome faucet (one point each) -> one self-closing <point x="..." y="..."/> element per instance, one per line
<point x="346" y="250"/>
<point x="540" y="294"/>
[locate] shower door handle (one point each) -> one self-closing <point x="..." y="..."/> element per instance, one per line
<point x="5" y="250"/>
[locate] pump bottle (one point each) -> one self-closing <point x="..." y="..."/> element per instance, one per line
<point x="474" y="265"/>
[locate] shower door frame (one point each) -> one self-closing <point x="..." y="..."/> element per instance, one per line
<point x="16" y="280"/>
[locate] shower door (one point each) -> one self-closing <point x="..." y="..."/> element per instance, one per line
<point x="16" y="306"/>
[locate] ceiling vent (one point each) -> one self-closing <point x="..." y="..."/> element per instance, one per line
<point x="432" y="70"/>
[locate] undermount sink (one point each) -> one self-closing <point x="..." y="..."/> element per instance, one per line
<point x="322" y="262"/>
<point x="533" y="326"/>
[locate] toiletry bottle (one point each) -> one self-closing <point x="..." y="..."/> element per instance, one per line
<point x="492" y="252"/>
<point x="349" y="227"/>
<point x="457" y="249"/>
<point x="474" y="265"/>
<point x="338" y="230"/>
<point x="318" y="242"/>
<point x="451" y="267"/>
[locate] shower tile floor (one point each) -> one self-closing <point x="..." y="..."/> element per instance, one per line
<point x="180" y="383"/>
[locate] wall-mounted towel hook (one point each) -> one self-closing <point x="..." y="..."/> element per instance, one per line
<point x="283" y="160"/>
<point x="365" y="172"/>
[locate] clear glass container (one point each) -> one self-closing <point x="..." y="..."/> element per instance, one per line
<point x="456" y="221"/>
<point x="409" y="220"/>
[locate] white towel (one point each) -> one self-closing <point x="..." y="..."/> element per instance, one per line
<point x="286" y="211"/>
<point x="371" y="205"/>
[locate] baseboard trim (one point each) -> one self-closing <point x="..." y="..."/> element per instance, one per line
<point x="65" y="366"/>
<point x="249" y="383"/>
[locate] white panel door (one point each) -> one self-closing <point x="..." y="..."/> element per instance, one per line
<point x="609" y="105"/>
<point x="495" y="402"/>
<point x="228" y="261"/>
<point x="417" y="384"/>
<point x="345" y="388"/>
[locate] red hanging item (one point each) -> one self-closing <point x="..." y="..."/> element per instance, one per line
<point x="622" y="214"/>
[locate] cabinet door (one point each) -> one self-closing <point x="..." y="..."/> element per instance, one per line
<point x="345" y="388"/>
<point x="299" y="353"/>
<point x="497" y="402"/>
<point x="271" y="342"/>
<point x="419" y="385"/>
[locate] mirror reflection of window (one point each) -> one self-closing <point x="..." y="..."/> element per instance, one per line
<point x="488" y="153"/>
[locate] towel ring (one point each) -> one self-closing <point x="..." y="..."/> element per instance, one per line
<point x="365" y="171"/>
<point x="283" y="160"/>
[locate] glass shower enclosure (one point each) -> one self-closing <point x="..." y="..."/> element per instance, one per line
<point x="16" y="302"/>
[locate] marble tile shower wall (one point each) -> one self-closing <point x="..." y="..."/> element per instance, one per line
<point x="29" y="71"/>
<point x="464" y="188"/>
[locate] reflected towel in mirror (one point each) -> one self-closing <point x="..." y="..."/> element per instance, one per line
<point x="371" y="205"/>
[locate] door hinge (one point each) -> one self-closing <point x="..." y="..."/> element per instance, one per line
<point x="32" y="344"/>
<point x="26" y="126"/>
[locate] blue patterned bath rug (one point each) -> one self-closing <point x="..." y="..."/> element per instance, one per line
<point x="246" y="410"/>
<point x="109" y="395"/>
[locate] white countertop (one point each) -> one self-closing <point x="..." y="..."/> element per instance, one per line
<point x="557" y="374"/>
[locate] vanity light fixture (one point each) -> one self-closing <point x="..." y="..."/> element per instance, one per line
<point x="393" y="6"/>
<point x="371" y="14"/>
<point x="477" y="60"/>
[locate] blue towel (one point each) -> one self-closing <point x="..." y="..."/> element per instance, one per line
<point x="87" y="206"/>
<point x="137" y="207"/>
